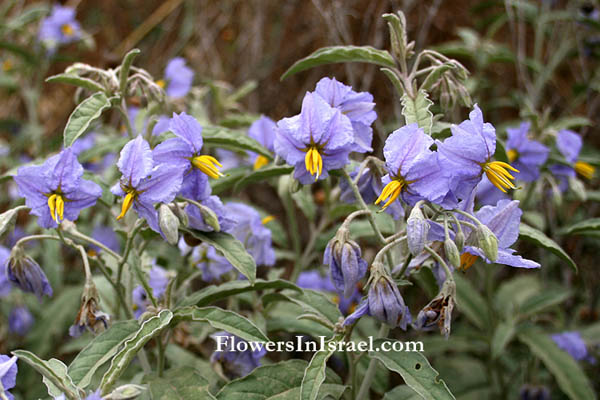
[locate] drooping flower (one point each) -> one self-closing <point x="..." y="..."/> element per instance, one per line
<point x="386" y="303"/>
<point x="572" y="343"/>
<point x="316" y="141"/>
<point x="438" y="313"/>
<point x="524" y="154"/>
<point x="468" y="154"/>
<point x="178" y="78"/>
<point x="25" y="273"/>
<point x="263" y="130"/>
<point x="347" y="267"/>
<point x="183" y="153"/>
<point x="143" y="184"/>
<point x="5" y="285"/>
<point x="212" y="264"/>
<point x="569" y="144"/>
<point x="8" y="374"/>
<point x="20" y="320"/>
<point x="56" y="190"/>
<point x="249" y="228"/>
<point x="60" y="27"/>
<point x="357" y="106"/>
<point x="236" y="363"/>
<point x="413" y="169"/>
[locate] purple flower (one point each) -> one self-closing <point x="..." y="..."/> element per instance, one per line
<point x="413" y="169"/>
<point x="386" y="303"/>
<point x="263" y="130"/>
<point x="572" y="343"/>
<point x="236" y="363"/>
<point x="249" y="228"/>
<point x="200" y="219"/>
<point x="158" y="280"/>
<point x="468" y="153"/>
<point x="60" y="27"/>
<point x="5" y="285"/>
<point x="55" y="190"/>
<point x="357" y="106"/>
<point x="212" y="264"/>
<point x="569" y="144"/>
<point x="183" y="153"/>
<point x="8" y="374"/>
<point x="97" y="395"/>
<point x="178" y="78"/>
<point x="107" y="236"/>
<point x="20" y="320"/>
<point x="370" y="186"/>
<point x="25" y="273"/>
<point x="140" y="301"/>
<point x="525" y="155"/>
<point x="83" y="144"/>
<point x="347" y="267"/>
<point x="317" y="140"/>
<point x="488" y="194"/>
<point x="162" y="125"/>
<point x="143" y="184"/>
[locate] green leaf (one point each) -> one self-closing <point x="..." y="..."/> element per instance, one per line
<point x="304" y="200"/>
<point x="233" y="140"/>
<point x="53" y="371"/>
<point x="231" y="248"/>
<point x="415" y="370"/>
<point x="402" y="392"/>
<point x="222" y="320"/>
<point x="101" y="349"/>
<point x="311" y="301"/>
<point x="125" y="66"/>
<point x="147" y="331"/>
<point x="261" y="175"/>
<point x="232" y="176"/>
<point x="281" y="381"/>
<point x="503" y="334"/>
<point x="569" y="375"/>
<point x="180" y="384"/>
<point x="84" y="114"/>
<point x="177" y="356"/>
<point x="471" y="303"/>
<point x="540" y="238"/>
<point x="75" y="80"/>
<point x="339" y="54"/>
<point x="315" y="372"/>
<point x="214" y="293"/>
<point x="544" y="300"/>
<point x="583" y="227"/>
<point x="511" y="294"/>
<point x="417" y="110"/>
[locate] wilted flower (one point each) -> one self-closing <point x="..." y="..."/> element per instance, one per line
<point x="468" y="153"/>
<point x="263" y="130"/>
<point x="5" y="285"/>
<point x="572" y="343"/>
<point x="357" y="106"/>
<point x="413" y="169"/>
<point x="20" y="320"/>
<point x="55" y="190"/>
<point x="347" y="267"/>
<point x="212" y="264"/>
<point x="24" y="272"/>
<point x="178" y="78"/>
<point x="524" y="154"/>
<point x="235" y="363"/>
<point x="8" y="374"/>
<point x="316" y="141"/>
<point x="249" y="228"/>
<point x="183" y="153"/>
<point x="439" y="310"/>
<point x="89" y="316"/>
<point x="386" y="303"/>
<point x="143" y="184"/>
<point x="60" y="27"/>
<point x="569" y="144"/>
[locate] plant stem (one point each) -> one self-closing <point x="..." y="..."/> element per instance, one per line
<point x="363" y="393"/>
<point x="440" y="260"/>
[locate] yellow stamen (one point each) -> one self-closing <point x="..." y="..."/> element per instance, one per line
<point x="52" y="206"/>
<point x="313" y="162"/>
<point x="512" y="155"/>
<point x="60" y="207"/>
<point x="127" y="203"/>
<point x="7" y="65"/>
<point x="161" y="83"/>
<point x="260" y="162"/>
<point x="467" y="260"/>
<point x="56" y="204"/>
<point x="392" y="190"/>
<point x="67" y="30"/>
<point x="267" y="219"/>
<point x="208" y="165"/>
<point x="584" y="169"/>
<point x="497" y="173"/>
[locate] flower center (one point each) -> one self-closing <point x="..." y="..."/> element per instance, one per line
<point x="391" y="191"/>
<point x="313" y="161"/>
<point x="512" y="155"/>
<point x="56" y="204"/>
<point x="260" y="162"/>
<point x="584" y="169"/>
<point x="67" y="30"/>
<point x="467" y="260"/>
<point x="161" y="83"/>
<point x="128" y="202"/>
<point x="267" y="219"/>
<point x="497" y="173"/>
<point x="208" y="165"/>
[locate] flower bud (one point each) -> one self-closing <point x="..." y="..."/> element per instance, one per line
<point x="487" y="242"/>
<point x="345" y="262"/>
<point x="459" y="240"/>
<point x="24" y="272"/>
<point x="178" y="210"/>
<point x="169" y="224"/>
<point x="452" y="253"/>
<point x="210" y="218"/>
<point x="417" y="229"/>
<point x="439" y="310"/>
<point x="578" y="189"/>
